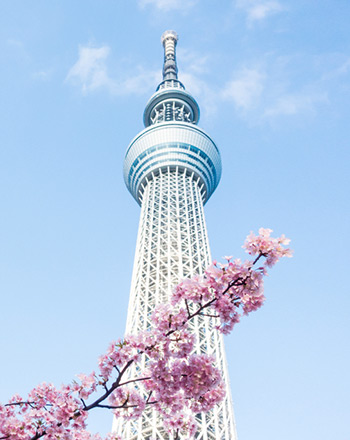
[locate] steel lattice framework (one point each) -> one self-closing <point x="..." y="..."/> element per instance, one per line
<point x="172" y="168"/>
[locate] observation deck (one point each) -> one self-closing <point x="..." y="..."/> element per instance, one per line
<point x="171" y="139"/>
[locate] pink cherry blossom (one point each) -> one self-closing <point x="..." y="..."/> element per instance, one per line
<point x="271" y="248"/>
<point x="176" y="381"/>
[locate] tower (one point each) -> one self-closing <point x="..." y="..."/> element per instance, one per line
<point x="171" y="169"/>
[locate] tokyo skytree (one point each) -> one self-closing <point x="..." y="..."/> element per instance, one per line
<point x="171" y="169"/>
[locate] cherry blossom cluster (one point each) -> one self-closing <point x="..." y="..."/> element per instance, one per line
<point x="177" y="382"/>
<point x="271" y="248"/>
<point x="229" y="290"/>
<point x="50" y="412"/>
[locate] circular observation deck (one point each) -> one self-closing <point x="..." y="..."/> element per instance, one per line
<point x="171" y="146"/>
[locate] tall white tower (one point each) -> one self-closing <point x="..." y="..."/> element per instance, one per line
<point x="171" y="168"/>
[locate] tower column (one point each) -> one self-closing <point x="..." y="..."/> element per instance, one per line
<point x="171" y="168"/>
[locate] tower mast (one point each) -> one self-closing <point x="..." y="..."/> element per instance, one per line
<point x="171" y="169"/>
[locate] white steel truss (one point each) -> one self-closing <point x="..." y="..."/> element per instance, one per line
<point x="172" y="244"/>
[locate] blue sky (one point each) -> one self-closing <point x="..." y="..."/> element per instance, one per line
<point x="272" y="80"/>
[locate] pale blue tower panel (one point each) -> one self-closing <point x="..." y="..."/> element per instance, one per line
<point x="172" y="145"/>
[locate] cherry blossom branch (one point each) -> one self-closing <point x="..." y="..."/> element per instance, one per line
<point x="114" y="386"/>
<point x="180" y="382"/>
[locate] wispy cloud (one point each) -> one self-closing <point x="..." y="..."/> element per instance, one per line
<point x="90" y="73"/>
<point x="194" y="61"/>
<point x="298" y="103"/>
<point x="245" y="89"/>
<point x="344" y="69"/>
<point x="194" y="67"/>
<point x="341" y="69"/>
<point x="140" y="83"/>
<point x="264" y="91"/>
<point x="267" y="92"/>
<point x="202" y="90"/>
<point x="168" y="5"/>
<point x="258" y="10"/>
<point x="260" y="91"/>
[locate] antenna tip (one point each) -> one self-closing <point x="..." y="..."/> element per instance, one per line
<point x="169" y="34"/>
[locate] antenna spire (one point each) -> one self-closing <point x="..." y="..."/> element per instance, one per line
<point x="169" y="40"/>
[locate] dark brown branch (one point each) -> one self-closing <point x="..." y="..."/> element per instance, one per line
<point x="134" y="380"/>
<point x="114" y="386"/>
<point x="188" y="309"/>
